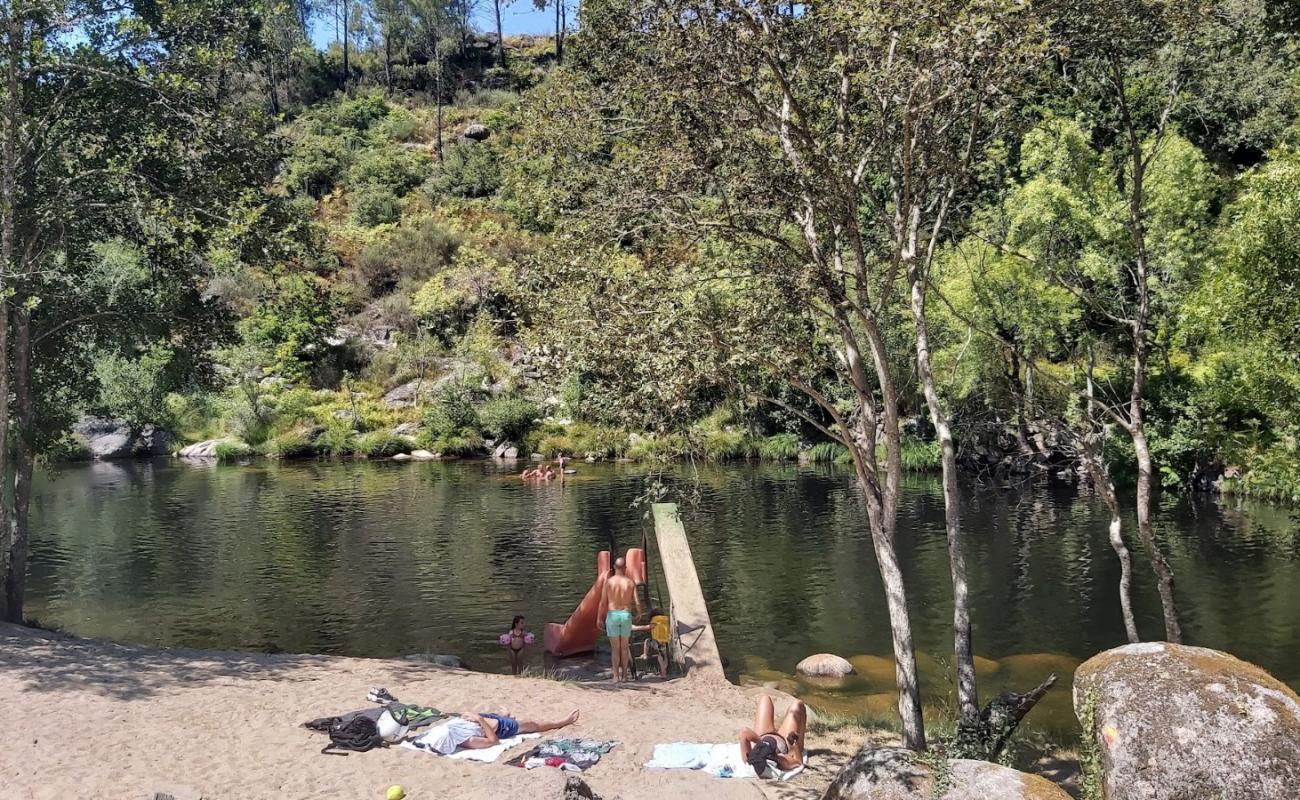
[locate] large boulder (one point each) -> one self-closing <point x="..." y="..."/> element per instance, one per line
<point x="107" y="438"/>
<point x="892" y="773"/>
<point x="1183" y="723"/>
<point x="201" y="450"/>
<point x="824" y="665"/>
<point x="477" y="131"/>
<point x="153" y="441"/>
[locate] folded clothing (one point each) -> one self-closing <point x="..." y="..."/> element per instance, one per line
<point x="721" y="760"/>
<point x="573" y="755"/>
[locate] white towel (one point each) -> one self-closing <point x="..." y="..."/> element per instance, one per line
<point x="486" y="755"/>
<point x="720" y="760"/>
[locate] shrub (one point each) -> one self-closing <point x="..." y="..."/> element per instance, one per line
<point x="919" y="456"/>
<point x="509" y="417"/>
<point x="316" y="165"/>
<point x="373" y="205"/>
<point x="781" y="447"/>
<point x="409" y="257"/>
<point x="827" y="452"/>
<point x="395" y="169"/>
<point x="292" y="444"/>
<point x="467" y="170"/>
<point x="69" y="447"/>
<point x="467" y="442"/>
<point x="231" y="450"/>
<point x="361" y="111"/>
<point x="337" y="440"/>
<point x="381" y="444"/>
<point x="662" y="448"/>
<point x="580" y="440"/>
<point x="453" y="412"/>
<point x="725" y="444"/>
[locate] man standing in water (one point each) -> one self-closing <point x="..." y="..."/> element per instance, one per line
<point x="616" y="601"/>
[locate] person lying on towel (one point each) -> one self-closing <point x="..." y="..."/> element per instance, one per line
<point x="766" y="742"/>
<point x="480" y="731"/>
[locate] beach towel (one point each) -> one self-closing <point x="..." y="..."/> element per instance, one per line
<point x="719" y="760"/>
<point x="572" y="755"/>
<point x="487" y="755"/>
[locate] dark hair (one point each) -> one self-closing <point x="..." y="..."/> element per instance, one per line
<point x="515" y="621"/>
<point x="656" y="612"/>
<point x="760" y="754"/>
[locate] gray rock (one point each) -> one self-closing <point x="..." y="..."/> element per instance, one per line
<point x="1174" y="723"/>
<point x="402" y="457"/>
<point x="408" y="428"/>
<point x="202" y="450"/>
<point x="824" y="665"/>
<point x="537" y="457"/>
<point x="423" y="455"/>
<point x="477" y="131"/>
<point x="408" y="394"/>
<point x="892" y="773"/>
<point x="576" y="788"/>
<point x="510" y="453"/>
<point x="455" y="662"/>
<point x="106" y="438"/>
<point x="153" y="441"/>
<point x="501" y="450"/>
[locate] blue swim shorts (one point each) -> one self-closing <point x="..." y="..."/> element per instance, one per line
<point x="507" y="727"/>
<point x="618" y="624"/>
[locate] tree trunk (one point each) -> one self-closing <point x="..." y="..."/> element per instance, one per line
<point x="388" y="63"/>
<point x="881" y="518"/>
<point x="501" y="43"/>
<point x="16" y="582"/>
<point x="437" y="87"/>
<point x="274" y="90"/>
<point x="559" y="31"/>
<point x="1106" y="490"/>
<point x="347" y="71"/>
<point x="967" y="696"/>
<point x="1164" y="575"/>
<point x="1018" y="397"/>
<point x="8" y="212"/>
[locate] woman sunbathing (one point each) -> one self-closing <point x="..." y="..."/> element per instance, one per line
<point x="782" y="745"/>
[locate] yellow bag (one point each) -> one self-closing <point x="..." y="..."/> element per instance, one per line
<point x="659" y="629"/>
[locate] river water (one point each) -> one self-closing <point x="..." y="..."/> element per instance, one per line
<point x="388" y="558"/>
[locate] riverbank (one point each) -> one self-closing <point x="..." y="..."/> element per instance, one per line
<point x="92" y="719"/>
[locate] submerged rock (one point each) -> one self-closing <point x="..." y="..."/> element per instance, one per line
<point x="824" y="665"/>
<point x="892" y="773"/>
<point x="1176" y="723"/>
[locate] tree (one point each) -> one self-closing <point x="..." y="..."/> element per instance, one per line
<point x="119" y="153"/>
<point x="561" y="24"/>
<point x="770" y="180"/>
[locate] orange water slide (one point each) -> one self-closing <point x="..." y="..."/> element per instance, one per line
<point x="578" y="634"/>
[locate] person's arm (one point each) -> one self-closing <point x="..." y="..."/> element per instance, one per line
<point x="604" y="604"/>
<point x="747" y="741"/>
<point x="488" y="739"/>
<point x="640" y="628"/>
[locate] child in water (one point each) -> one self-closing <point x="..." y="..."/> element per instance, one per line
<point x="514" y="641"/>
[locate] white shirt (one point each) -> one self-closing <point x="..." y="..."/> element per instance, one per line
<point x="451" y="734"/>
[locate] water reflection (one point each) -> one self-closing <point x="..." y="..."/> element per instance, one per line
<point x="385" y="558"/>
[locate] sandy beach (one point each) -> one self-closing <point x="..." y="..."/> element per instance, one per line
<point x="92" y="719"/>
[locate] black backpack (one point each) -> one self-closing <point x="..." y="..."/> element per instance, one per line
<point x="358" y="734"/>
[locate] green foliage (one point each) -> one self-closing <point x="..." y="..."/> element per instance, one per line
<point x="1273" y="474"/>
<point x="1090" y="762"/>
<point x="407" y="257"/>
<point x="381" y="444"/>
<point x="466" y="442"/>
<point x="291" y="444"/>
<point x="394" y="169"/>
<point x="660" y="447"/>
<point x="135" y="389"/>
<point x="373" y="204"/>
<point x="828" y="452"/>
<point x="468" y="169"/>
<point x="508" y="418"/>
<point x="579" y="440"/>
<point x="781" y="447"/>
<point x="453" y="412"/>
<point x="725" y="444"/>
<point x="232" y="450"/>
<point x="290" y="325"/>
<point x="921" y="456"/>
<point x="337" y="440"/>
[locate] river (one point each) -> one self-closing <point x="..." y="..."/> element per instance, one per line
<point x="388" y="558"/>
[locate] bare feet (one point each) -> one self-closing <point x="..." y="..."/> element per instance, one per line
<point x="572" y="718"/>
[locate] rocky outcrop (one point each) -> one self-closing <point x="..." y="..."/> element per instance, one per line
<point x="1176" y="723"/>
<point x="824" y="665"/>
<point x="113" y="438"/>
<point x="892" y="773"/>
<point x="201" y="450"/>
<point x="505" y="450"/>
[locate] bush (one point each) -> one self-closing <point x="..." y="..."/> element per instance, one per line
<point x="725" y="444"/>
<point x="467" y="170"/>
<point x="69" y="447"/>
<point x="509" y="418"/>
<point x="361" y="111"/>
<point x="579" y="440"/>
<point x="828" y="452"/>
<point x="395" y="169"/>
<point x="337" y="440"/>
<point x="293" y="444"/>
<point x="919" y="456"/>
<point x="414" y="253"/>
<point x="467" y="442"/>
<point x="381" y="444"/>
<point x="374" y="205"/>
<point x="453" y="412"/>
<point x="781" y="447"/>
<point x="231" y="450"/>
<point x="317" y="164"/>
<point x="660" y="448"/>
<point x="1273" y="475"/>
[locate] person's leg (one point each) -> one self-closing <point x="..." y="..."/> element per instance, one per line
<point x="528" y="726"/>
<point x="763" y="719"/>
<point x="663" y="666"/>
<point x="618" y="649"/>
<point x="795" y="720"/>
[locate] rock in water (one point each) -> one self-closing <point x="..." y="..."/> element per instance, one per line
<point x="422" y="455"/>
<point x="1183" y="723"/>
<point x="107" y="438"/>
<point x="892" y="773"/>
<point x="824" y="665"/>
